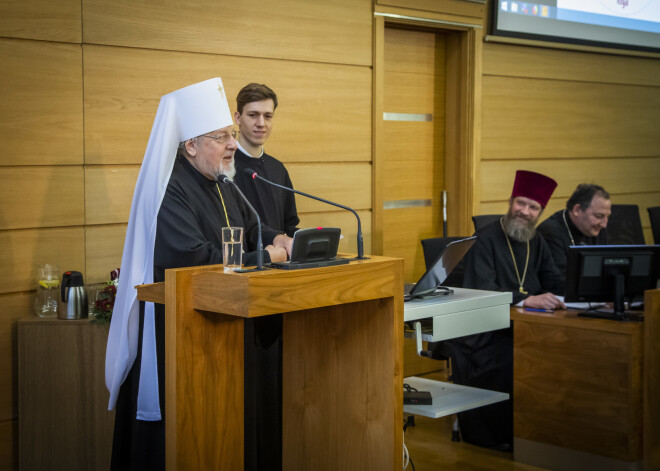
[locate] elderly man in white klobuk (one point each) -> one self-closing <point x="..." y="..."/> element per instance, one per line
<point x="177" y="211"/>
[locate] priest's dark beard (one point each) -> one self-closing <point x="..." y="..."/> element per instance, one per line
<point x="518" y="228"/>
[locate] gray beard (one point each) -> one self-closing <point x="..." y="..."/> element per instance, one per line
<point x="518" y="229"/>
<point x="228" y="171"/>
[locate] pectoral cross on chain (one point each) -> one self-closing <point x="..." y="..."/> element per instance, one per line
<point x="522" y="290"/>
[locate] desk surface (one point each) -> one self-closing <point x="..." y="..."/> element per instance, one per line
<point x="570" y="318"/>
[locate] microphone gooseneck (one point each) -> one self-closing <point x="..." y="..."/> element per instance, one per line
<point x="260" y="245"/>
<point x="360" y="245"/>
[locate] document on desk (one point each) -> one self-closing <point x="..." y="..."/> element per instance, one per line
<point x="580" y="306"/>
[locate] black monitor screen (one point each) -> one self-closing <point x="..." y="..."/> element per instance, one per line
<point x="610" y="273"/>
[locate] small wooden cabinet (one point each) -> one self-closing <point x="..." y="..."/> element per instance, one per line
<point x="63" y="419"/>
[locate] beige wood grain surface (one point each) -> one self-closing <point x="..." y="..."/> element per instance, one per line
<point x="41" y="122"/>
<point x="25" y="250"/>
<point x="363" y="306"/>
<point x="617" y="176"/>
<point x="204" y="381"/>
<point x="453" y="7"/>
<point x="331" y="32"/>
<point x="525" y="118"/>
<point x="41" y="197"/>
<point x="324" y="111"/>
<point x="546" y="63"/>
<point x="41" y="19"/>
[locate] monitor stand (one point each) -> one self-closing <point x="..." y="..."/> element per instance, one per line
<point x="603" y="314"/>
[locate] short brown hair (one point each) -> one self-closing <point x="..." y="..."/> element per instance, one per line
<point x="254" y="92"/>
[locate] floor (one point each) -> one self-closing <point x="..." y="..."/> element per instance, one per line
<point x="431" y="449"/>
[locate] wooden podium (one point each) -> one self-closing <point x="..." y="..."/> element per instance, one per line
<point x="342" y="363"/>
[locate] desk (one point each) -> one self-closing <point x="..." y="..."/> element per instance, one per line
<point x="465" y="312"/>
<point x="578" y="390"/>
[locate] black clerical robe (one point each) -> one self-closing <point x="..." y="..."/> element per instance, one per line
<point x="556" y="233"/>
<point x="489" y="265"/>
<point x="188" y="233"/>
<point x="486" y="360"/>
<point x="276" y="207"/>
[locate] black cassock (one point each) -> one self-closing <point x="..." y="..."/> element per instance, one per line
<point x="188" y="234"/>
<point x="555" y="232"/>
<point x="277" y="207"/>
<point x="486" y="360"/>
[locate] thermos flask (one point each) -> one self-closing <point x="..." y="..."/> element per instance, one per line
<point x="73" y="297"/>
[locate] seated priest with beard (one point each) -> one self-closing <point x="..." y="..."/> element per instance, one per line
<point x="507" y="256"/>
<point x="177" y="213"/>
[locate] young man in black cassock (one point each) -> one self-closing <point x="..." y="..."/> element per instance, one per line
<point x="255" y="110"/>
<point x="583" y="222"/>
<point x="507" y="256"/>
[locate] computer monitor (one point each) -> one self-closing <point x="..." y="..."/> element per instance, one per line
<point x="610" y="273"/>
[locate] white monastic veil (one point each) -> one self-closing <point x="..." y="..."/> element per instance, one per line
<point x="183" y="114"/>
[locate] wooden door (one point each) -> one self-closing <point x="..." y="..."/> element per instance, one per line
<point x="413" y="143"/>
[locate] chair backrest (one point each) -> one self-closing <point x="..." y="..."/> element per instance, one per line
<point x="432" y="248"/>
<point x="654" y="216"/>
<point x="625" y="226"/>
<point x="483" y="220"/>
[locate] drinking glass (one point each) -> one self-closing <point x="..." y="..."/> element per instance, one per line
<point x="232" y="248"/>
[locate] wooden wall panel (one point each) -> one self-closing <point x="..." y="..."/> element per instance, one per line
<point x="41" y="19"/>
<point x="41" y="119"/>
<point x="334" y="32"/>
<point x="24" y="250"/>
<point x="520" y="61"/>
<point x="12" y="307"/>
<point x="41" y="197"/>
<point x="344" y="183"/>
<point x="419" y="223"/>
<point x="109" y="189"/>
<point x="109" y="193"/>
<point x="348" y="224"/>
<point x="625" y="175"/>
<point x="324" y="112"/>
<point x="536" y="119"/>
<point x="104" y="246"/>
<point x="454" y="7"/>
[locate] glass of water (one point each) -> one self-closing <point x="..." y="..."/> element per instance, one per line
<point x="232" y="248"/>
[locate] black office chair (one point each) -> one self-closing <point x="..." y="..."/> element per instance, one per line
<point x="482" y="220"/>
<point x="625" y="226"/>
<point x="654" y="216"/>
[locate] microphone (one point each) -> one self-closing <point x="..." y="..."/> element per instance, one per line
<point x="252" y="174"/>
<point x="260" y="246"/>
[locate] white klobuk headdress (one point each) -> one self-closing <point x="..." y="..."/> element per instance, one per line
<point x="183" y="114"/>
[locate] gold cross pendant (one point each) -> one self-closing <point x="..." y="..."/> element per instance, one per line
<point x="522" y="290"/>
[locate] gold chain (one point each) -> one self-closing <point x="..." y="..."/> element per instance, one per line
<point x="223" y="205"/>
<point x="515" y="265"/>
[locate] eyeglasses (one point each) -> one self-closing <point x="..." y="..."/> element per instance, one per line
<point x="224" y="137"/>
